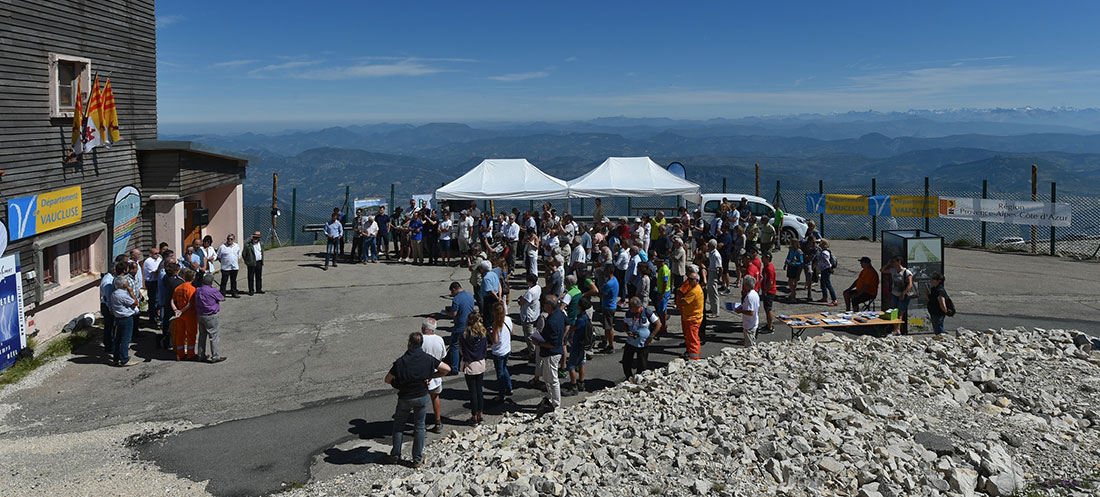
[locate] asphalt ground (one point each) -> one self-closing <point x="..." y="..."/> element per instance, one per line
<point x="301" y="396"/>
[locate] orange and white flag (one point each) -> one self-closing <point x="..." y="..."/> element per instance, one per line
<point x="94" y="119"/>
<point x="78" y="123"/>
<point x="110" y="116"/>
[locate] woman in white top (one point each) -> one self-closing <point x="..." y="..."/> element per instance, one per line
<point x="209" y="253"/>
<point x="500" y="341"/>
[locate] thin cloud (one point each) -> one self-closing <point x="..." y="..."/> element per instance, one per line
<point x="572" y="59"/>
<point x="283" y="67"/>
<point x="404" y="68"/>
<point x="165" y="21"/>
<point x="416" y="59"/>
<point x="233" y="63"/>
<point x="520" y="76"/>
<point x="891" y="89"/>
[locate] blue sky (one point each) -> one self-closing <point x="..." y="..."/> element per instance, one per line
<point x="250" y="65"/>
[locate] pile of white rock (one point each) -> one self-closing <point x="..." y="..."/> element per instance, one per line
<point x="989" y="412"/>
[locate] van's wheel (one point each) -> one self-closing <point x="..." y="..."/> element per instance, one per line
<point x="787" y="235"/>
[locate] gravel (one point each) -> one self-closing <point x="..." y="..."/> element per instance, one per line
<point x="983" y="413"/>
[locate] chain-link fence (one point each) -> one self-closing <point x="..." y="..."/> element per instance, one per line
<point x="1080" y="240"/>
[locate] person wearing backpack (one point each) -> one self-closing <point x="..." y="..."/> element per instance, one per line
<point x="902" y="291"/>
<point x="639" y="323"/>
<point x="826" y="264"/>
<point x="581" y="338"/>
<point x="939" y="304"/>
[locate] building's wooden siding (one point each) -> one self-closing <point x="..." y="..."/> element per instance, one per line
<point x="199" y="173"/>
<point x="120" y="39"/>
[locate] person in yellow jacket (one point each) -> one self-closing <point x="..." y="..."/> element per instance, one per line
<point x="690" y="302"/>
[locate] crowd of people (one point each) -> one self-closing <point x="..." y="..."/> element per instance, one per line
<point x="178" y="293"/>
<point x="623" y="274"/>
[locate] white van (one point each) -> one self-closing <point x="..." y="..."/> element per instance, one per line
<point x="794" y="227"/>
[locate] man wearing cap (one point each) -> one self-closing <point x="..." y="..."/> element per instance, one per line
<point x="864" y="289"/>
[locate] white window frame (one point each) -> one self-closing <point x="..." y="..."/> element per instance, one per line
<point x="62" y="280"/>
<point x="85" y="82"/>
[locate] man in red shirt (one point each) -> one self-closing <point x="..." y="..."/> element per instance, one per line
<point x="768" y="295"/>
<point x="750" y="265"/>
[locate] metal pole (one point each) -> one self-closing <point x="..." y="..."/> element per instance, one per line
<point x="924" y="204"/>
<point x="630" y="202"/>
<point x="582" y="206"/>
<point x="723" y="185"/>
<point x="874" y="218"/>
<point x="1034" y="197"/>
<point x="274" y="205"/>
<point x="757" y="179"/>
<point x="347" y="198"/>
<point x="532" y="206"/>
<point x="821" y="217"/>
<point x="391" y="198"/>
<point x="985" y="195"/>
<point x="293" y="214"/>
<point x="1053" y="197"/>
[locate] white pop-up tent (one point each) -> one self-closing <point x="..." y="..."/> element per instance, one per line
<point x="631" y="177"/>
<point x="504" y="179"/>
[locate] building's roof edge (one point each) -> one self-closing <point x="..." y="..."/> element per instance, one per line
<point x="188" y="146"/>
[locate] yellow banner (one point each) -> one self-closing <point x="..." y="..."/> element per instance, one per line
<point x="846" y="204"/>
<point x="58" y="208"/>
<point x="914" y="206"/>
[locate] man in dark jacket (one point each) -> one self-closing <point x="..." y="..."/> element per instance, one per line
<point x="550" y="352"/>
<point x="409" y="375"/>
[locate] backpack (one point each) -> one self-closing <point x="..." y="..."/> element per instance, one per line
<point x="832" y="260"/>
<point x="586" y="331"/>
<point x="950" y="306"/>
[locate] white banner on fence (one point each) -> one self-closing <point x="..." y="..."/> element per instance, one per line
<point x="1006" y="211"/>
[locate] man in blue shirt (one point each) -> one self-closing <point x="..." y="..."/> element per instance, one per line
<point x="334" y="230"/>
<point x="416" y="236"/>
<point x="383" y="221"/>
<point x="106" y="288"/>
<point x="462" y="304"/>
<point x="609" y="294"/>
<point x="490" y="292"/>
<point x="550" y="352"/>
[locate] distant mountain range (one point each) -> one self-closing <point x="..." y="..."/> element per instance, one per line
<point x="955" y="148"/>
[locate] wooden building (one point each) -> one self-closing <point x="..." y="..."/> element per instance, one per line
<point x="48" y="48"/>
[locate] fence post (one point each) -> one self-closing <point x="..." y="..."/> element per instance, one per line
<point x="924" y="204"/>
<point x="874" y="217"/>
<point x="723" y="185"/>
<point x="582" y="206"/>
<point x="821" y="217"/>
<point x="1034" y="198"/>
<point x="347" y="207"/>
<point x="985" y="195"/>
<point x="1053" y="196"/>
<point x="757" y="179"/>
<point x="531" y="206"/>
<point x="293" y="214"/>
<point x="391" y="198"/>
<point x="630" y="202"/>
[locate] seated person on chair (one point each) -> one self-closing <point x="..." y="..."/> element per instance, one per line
<point x="864" y="289"/>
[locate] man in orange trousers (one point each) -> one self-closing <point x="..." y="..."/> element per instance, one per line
<point x="185" y="328"/>
<point x="690" y="302"/>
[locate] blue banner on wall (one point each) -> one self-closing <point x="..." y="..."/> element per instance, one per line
<point x="13" y="335"/>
